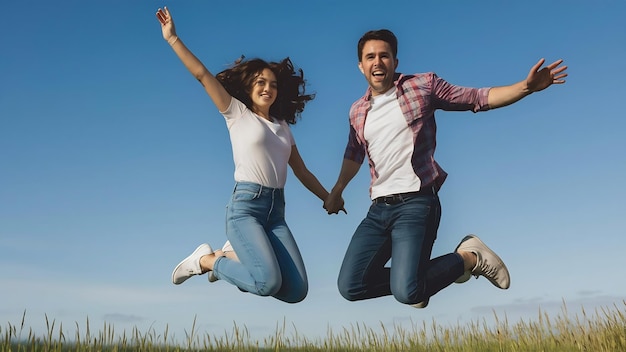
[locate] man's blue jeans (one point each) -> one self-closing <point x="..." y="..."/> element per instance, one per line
<point x="269" y="263"/>
<point x="405" y="233"/>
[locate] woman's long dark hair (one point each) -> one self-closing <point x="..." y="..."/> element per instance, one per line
<point x="290" y="99"/>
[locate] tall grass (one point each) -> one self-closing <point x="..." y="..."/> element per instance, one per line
<point x="604" y="330"/>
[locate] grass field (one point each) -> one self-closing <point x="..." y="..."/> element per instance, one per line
<point x="602" y="330"/>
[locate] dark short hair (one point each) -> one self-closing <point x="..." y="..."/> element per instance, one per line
<point x="380" y="34"/>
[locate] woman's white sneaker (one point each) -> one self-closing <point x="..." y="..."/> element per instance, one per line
<point x="225" y="248"/>
<point x="190" y="266"/>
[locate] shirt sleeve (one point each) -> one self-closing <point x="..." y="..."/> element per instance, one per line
<point x="450" y="97"/>
<point x="234" y="110"/>
<point x="355" y="151"/>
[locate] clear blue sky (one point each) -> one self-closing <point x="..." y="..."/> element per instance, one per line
<point x="114" y="164"/>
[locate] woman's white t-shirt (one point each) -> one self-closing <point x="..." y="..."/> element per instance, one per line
<point x="261" y="148"/>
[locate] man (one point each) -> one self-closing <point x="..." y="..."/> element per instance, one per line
<point x="394" y="125"/>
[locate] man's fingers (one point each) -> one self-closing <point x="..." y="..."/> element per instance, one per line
<point x="336" y="211"/>
<point x="555" y="64"/>
<point x="537" y="65"/>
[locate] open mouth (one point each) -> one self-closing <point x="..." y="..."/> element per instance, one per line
<point x="378" y="74"/>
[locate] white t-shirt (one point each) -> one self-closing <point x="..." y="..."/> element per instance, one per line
<point x="390" y="146"/>
<point x="261" y="148"/>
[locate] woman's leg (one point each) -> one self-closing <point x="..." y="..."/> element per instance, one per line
<point x="257" y="270"/>
<point x="294" y="279"/>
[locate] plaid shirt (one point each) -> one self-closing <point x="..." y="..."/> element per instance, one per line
<point x="419" y="96"/>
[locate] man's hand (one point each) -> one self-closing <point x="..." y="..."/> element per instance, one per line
<point x="334" y="203"/>
<point x="540" y="79"/>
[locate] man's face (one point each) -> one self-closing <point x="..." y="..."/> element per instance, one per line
<point x="378" y="65"/>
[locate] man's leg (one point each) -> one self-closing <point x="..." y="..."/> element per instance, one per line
<point x="414" y="275"/>
<point x="363" y="274"/>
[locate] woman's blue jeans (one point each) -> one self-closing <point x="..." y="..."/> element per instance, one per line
<point x="405" y="233"/>
<point x="269" y="263"/>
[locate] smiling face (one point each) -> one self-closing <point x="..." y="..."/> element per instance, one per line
<point x="263" y="92"/>
<point x="378" y="65"/>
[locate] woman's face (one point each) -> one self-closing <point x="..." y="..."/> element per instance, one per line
<point x="264" y="90"/>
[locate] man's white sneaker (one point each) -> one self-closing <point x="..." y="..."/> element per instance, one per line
<point x="488" y="264"/>
<point x="190" y="266"/>
<point x="421" y="304"/>
<point x="468" y="273"/>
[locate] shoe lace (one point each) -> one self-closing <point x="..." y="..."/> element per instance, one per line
<point x="485" y="269"/>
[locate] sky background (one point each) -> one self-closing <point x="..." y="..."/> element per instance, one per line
<point x="115" y="165"/>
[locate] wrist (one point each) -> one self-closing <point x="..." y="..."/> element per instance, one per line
<point x="172" y="40"/>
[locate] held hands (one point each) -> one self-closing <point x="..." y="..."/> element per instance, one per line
<point x="334" y="203"/>
<point x="540" y="79"/>
<point x="167" y="25"/>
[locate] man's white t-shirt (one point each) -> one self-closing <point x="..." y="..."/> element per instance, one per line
<point x="261" y="148"/>
<point x="390" y="146"/>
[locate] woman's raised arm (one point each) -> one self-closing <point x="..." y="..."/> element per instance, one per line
<point x="211" y="85"/>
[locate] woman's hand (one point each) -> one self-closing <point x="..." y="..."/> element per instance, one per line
<point x="167" y="25"/>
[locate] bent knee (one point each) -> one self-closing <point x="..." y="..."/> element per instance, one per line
<point x="407" y="299"/>
<point x="269" y="287"/>
<point x="295" y="297"/>
<point x="408" y="296"/>
<point x="347" y="291"/>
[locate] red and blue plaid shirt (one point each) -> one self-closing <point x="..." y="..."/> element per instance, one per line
<point x="419" y="95"/>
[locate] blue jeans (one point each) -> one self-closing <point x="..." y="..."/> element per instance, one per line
<point x="405" y="233"/>
<point x="269" y="263"/>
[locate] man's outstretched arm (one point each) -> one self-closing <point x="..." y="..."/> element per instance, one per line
<point x="538" y="79"/>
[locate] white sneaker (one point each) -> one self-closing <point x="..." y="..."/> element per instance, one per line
<point x="421" y="304"/>
<point x="225" y="248"/>
<point x="190" y="266"/>
<point x="468" y="273"/>
<point x="488" y="264"/>
<point x="212" y="277"/>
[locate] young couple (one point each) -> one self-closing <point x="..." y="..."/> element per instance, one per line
<point x="393" y="124"/>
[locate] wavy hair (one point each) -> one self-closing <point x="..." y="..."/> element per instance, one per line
<point x="290" y="99"/>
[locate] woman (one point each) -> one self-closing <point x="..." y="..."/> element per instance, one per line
<point x="258" y="101"/>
